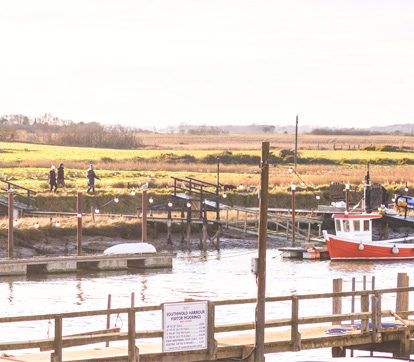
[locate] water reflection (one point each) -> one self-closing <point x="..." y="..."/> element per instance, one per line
<point x="143" y="289"/>
<point x="11" y="292"/>
<point x="80" y="294"/>
<point x="369" y="266"/>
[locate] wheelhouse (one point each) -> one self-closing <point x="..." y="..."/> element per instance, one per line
<point x="357" y="226"/>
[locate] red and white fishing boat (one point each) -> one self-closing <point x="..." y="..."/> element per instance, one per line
<point x="353" y="240"/>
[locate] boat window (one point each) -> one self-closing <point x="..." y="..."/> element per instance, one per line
<point x="346" y="225"/>
<point x="357" y="225"/>
<point x="366" y="225"/>
<point x="338" y="225"/>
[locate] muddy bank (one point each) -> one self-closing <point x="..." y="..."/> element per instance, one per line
<point x="97" y="244"/>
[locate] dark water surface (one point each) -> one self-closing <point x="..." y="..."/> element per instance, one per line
<point x="213" y="276"/>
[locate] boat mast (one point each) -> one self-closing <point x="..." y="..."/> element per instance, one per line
<point x="367" y="192"/>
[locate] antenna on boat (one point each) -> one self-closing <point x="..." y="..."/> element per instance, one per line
<point x="367" y="192"/>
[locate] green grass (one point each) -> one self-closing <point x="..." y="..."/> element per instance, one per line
<point x="18" y="152"/>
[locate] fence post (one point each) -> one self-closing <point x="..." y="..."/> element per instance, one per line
<point x="56" y="356"/>
<point x="131" y="336"/>
<point x="295" y="337"/>
<point x="337" y="301"/>
<point x="401" y="306"/>
<point x="365" y="308"/>
<point x="211" y="342"/>
<point x="376" y="317"/>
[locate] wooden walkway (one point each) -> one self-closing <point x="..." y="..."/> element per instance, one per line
<point x="370" y="328"/>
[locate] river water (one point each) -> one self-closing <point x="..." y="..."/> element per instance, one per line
<point x="210" y="276"/>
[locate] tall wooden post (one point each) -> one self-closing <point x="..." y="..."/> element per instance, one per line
<point x="293" y="186"/>
<point x="144" y="217"/>
<point x="169" y="223"/>
<point x="261" y="267"/>
<point x="10" y="233"/>
<point x="79" y="216"/>
<point x="218" y="172"/>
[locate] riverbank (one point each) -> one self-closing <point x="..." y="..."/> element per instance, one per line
<point x="53" y="246"/>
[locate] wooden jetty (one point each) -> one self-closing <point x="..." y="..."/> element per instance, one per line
<point x="371" y="328"/>
<point x="75" y="263"/>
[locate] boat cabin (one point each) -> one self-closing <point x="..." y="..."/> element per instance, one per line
<point x="354" y="226"/>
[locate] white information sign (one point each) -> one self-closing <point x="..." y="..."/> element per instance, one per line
<point x="185" y="326"/>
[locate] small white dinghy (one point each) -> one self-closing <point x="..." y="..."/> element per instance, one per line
<point x="130" y="248"/>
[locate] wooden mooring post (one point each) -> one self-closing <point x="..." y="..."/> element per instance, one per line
<point x="79" y="229"/>
<point x="261" y="267"/>
<point x="10" y="231"/>
<point x="108" y="317"/>
<point x="144" y="216"/>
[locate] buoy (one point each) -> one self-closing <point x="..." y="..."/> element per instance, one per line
<point x="361" y="247"/>
<point x="395" y="250"/>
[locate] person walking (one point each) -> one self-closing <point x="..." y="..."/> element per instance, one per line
<point x="52" y="179"/>
<point x="91" y="179"/>
<point x="61" y="177"/>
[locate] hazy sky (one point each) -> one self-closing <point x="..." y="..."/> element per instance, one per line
<point x="155" y="63"/>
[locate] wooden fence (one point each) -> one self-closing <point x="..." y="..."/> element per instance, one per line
<point x="370" y="324"/>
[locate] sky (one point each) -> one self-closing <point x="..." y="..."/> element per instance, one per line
<point x="160" y="63"/>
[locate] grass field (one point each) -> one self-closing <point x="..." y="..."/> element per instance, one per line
<point x="33" y="155"/>
<point x="121" y="171"/>
<point x="28" y="164"/>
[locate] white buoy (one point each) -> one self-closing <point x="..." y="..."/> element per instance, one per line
<point x="395" y="250"/>
<point x="361" y="247"/>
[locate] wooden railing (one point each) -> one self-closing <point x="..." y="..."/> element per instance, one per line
<point x="294" y="321"/>
<point x="278" y="224"/>
<point x="28" y="197"/>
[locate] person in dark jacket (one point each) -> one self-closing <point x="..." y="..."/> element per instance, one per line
<point x="91" y="179"/>
<point x="61" y="176"/>
<point x="52" y="179"/>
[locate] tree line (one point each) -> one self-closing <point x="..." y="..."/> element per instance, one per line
<point x="48" y="129"/>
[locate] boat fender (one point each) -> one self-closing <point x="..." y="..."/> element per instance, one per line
<point x="361" y="247"/>
<point x="395" y="250"/>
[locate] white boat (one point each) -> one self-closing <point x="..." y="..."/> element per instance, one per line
<point x="130" y="248"/>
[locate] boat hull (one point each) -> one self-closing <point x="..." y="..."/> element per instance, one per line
<point x="340" y="249"/>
